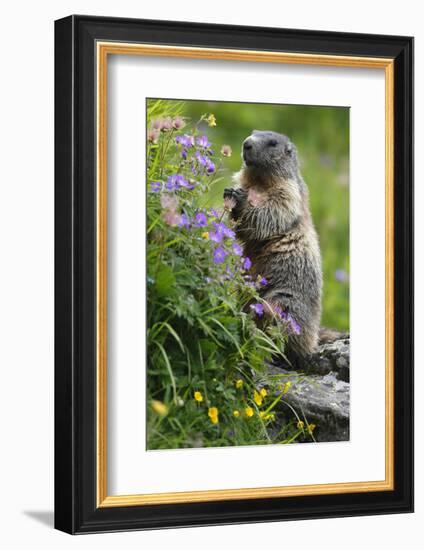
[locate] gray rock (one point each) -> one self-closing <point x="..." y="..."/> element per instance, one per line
<point x="320" y="391"/>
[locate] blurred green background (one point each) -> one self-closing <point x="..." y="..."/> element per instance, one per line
<point x="321" y="135"/>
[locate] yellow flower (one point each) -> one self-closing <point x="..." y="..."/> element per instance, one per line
<point x="267" y="416"/>
<point x="159" y="407"/>
<point x="249" y="412"/>
<point x="236" y="413"/>
<point x="211" y="120"/>
<point x="239" y="383"/>
<point x="300" y="425"/>
<point x="257" y="398"/>
<point x="213" y="415"/>
<point x="205" y="235"/>
<point x="311" y="428"/>
<point x="263" y="392"/>
<point x="198" y="396"/>
<point x="286" y="387"/>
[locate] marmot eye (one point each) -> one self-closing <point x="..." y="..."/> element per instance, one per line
<point x="272" y="143"/>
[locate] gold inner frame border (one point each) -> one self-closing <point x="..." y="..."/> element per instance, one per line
<point x="103" y="50"/>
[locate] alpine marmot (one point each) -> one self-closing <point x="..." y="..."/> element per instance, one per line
<point x="270" y="204"/>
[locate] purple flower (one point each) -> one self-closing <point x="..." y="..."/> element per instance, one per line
<point x="155" y="186"/>
<point x="215" y="237"/>
<point x="205" y="162"/>
<point x="200" y="158"/>
<point x="229" y="233"/>
<point x="184" y="154"/>
<point x="210" y="166"/>
<point x="294" y="325"/>
<point x="185" y="140"/>
<point x="247" y="264"/>
<point x="203" y="142"/>
<point x="258" y="309"/>
<point x="176" y="181"/>
<point x="213" y="213"/>
<point x="263" y="281"/>
<point x="223" y="230"/>
<point x="219" y="255"/>
<point x="182" y="182"/>
<point x="201" y="219"/>
<point x="278" y="311"/>
<point x="184" y="221"/>
<point x="229" y="273"/>
<point x="237" y="249"/>
<point x="341" y="276"/>
<point x="171" y="184"/>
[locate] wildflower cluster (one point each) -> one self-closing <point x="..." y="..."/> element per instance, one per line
<point x="248" y="405"/>
<point x="205" y="349"/>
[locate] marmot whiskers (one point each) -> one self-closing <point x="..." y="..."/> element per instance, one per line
<point x="270" y="205"/>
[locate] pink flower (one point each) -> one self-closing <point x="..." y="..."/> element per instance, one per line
<point x="178" y="123"/>
<point x="172" y="218"/>
<point x="153" y="135"/>
<point x="170" y="202"/>
<point x="157" y="124"/>
<point x="226" y="151"/>
<point x="166" y="124"/>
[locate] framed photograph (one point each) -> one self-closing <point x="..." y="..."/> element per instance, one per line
<point x="234" y="274"/>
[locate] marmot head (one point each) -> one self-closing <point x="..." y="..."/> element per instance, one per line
<point x="270" y="153"/>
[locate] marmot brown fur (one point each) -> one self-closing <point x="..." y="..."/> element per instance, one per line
<point x="270" y="205"/>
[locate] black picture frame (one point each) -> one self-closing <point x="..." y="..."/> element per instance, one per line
<point x="76" y="510"/>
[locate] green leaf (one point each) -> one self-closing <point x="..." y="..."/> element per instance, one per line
<point x="175" y="335"/>
<point x="231" y="336"/>
<point x="208" y="347"/>
<point x="165" y="281"/>
<point x="170" y="371"/>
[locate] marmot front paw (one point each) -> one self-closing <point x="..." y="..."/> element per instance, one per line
<point x="234" y="195"/>
<point x="233" y="200"/>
